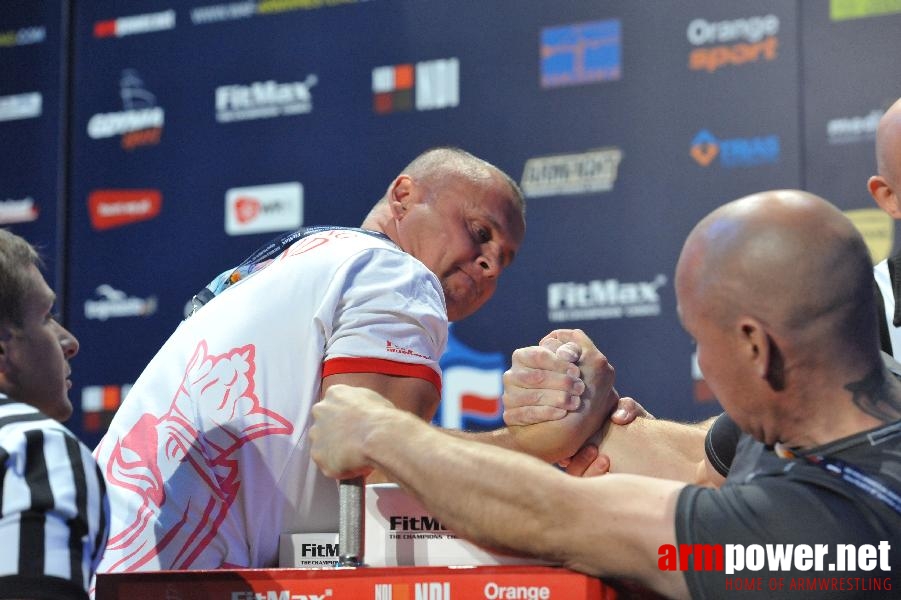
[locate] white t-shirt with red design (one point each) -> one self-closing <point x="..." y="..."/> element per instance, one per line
<point x="207" y="459"/>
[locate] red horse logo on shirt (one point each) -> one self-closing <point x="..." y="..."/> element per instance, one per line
<point x="188" y="450"/>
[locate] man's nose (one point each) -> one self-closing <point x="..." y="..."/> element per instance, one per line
<point x="490" y="264"/>
<point x="68" y="342"/>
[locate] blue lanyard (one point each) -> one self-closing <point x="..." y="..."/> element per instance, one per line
<point x="260" y="258"/>
<point x="860" y="480"/>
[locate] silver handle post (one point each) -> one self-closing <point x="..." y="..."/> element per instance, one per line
<point x="351" y="522"/>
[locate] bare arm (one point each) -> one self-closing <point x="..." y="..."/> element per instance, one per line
<point x="421" y="398"/>
<point x="537" y="393"/>
<point x="413" y="395"/>
<point x="650" y="447"/>
<point x="417" y="396"/>
<point x="514" y="502"/>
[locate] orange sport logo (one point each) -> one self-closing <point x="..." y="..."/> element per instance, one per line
<point x="732" y="43"/>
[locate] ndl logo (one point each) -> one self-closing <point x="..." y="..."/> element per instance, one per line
<point x="431" y="590"/>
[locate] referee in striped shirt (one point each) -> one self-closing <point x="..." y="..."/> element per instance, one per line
<point x="54" y="515"/>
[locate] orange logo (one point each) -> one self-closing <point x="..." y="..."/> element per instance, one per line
<point x="704" y="148"/>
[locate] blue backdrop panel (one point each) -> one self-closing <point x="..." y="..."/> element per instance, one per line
<point x="603" y="261"/>
<point x="33" y="50"/>
<point x="200" y="129"/>
<point x="851" y="75"/>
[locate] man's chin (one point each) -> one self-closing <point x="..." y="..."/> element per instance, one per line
<point x="62" y="411"/>
<point x="460" y="311"/>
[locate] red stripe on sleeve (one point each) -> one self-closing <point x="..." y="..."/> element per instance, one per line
<point x="336" y="366"/>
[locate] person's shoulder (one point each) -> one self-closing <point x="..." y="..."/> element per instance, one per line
<point x="337" y="246"/>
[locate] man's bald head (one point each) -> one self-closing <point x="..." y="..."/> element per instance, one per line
<point x="885" y="186"/>
<point x="888" y="145"/>
<point x="787" y="258"/>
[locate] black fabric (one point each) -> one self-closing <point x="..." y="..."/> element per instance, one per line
<point x="894" y="271"/>
<point x="770" y="500"/>
<point x="721" y="442"/>
<point x="885" y="338"/>
<point x="722" y="438"/>
<point x="31" y="524"/>
<point x="40" y="588"/>
<point x="30" y="569"/>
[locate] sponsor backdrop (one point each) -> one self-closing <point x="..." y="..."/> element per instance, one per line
<point x="33" y="118"/>
<point x="151" y="144"/>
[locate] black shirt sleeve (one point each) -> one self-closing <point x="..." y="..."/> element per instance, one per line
<point x="722" y="439"/>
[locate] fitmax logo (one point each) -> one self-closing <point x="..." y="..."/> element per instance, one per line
<point x="319" y="550"/>
<point x="607" y="299"/>
<point x="735" y="152"/>
<point x="405" y="523"/>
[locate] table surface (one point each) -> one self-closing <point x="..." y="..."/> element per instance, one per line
<point x="394" y="583"/>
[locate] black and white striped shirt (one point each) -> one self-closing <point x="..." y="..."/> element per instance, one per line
<point x="54" y="513"/>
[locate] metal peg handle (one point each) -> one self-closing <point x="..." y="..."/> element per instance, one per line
<point x="351" y="522"/>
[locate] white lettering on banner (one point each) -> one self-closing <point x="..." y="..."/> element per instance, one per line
<point x="608" y="299"/>
<point x="18" y="211"/>
<point x="133" y="207"/>
<point x="116" y="304"/>
<point x="21" y="106"/>
<point x="145" y="23"/>
<point x="215" y="13"/>
<point x="853" y="129"/>
<point x="593" y="171"/>
<point x="493" y="591"/>
<point x="264" y="100"/>
<point x="753" y="29"/>
<point x="106" y="125"/>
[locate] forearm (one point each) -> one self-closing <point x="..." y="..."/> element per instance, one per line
<point x="515" y="503"/>
<point x="499" y="438"/>
<point x="656" y="448"/>
<point x="435" y="466"/>
<point x="550" y="441"/>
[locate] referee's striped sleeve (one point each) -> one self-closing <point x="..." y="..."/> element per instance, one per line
<point x="53" y="510"/>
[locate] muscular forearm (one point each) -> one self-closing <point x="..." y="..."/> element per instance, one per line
<point x="437" y="467"/>
<point x="656" y="448"/>
<point x="515" y="503"/>
<point x="551" y="441"/>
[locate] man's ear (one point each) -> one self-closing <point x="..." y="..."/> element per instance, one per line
<point x="884" y="196"/>
<point x="755" y="347"/>
<point x="763" y="351"/>
<point x="400" y="194"/>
